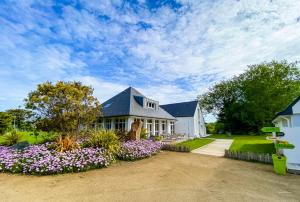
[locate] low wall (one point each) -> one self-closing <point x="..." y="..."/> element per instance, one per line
<point x="249" y="156"/>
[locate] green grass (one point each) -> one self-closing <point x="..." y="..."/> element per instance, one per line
<point x="255" y="146"/>
<point x="248" y="143"/>
<point x="26" y="137"/>
<point x="246" y="137"/>
<point x="196" y="143"/>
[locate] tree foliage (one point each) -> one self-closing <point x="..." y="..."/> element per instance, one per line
<point x="214" y="128"/>
<point x="64" y="106"/>
<point x="250" y="101"/>
<point x="22" y="118"/>
<point x="5" y="122"/>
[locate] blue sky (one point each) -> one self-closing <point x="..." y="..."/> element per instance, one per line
<point x="169" y="50"/>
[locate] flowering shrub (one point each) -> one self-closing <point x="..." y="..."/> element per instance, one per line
<point x="41" y="160"/>
<point x="138" y="149"/>
<point x="106" y="139"/>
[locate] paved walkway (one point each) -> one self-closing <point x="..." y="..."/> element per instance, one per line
<point x="216" y="148"/>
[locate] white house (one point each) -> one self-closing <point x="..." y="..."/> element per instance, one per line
<point x="120" y="111"/>
<point x="190" y="121"/>
<point x="289" y="122"/>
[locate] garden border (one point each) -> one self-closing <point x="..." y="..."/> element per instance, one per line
<point x="249" y="156"/>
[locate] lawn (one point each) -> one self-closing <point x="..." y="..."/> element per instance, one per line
<point x="196" y="143"/>
<point x="248" y="143"/>
<point x="255" y="146"/>
<point x="246" y="137"/>
<point x="26" y="137"/>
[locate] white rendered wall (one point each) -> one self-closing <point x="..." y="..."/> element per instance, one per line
<point x="129" y="121"/>
<point x="185" y="126"/>
<point x="296" y="120"/>
<point x="199" y="124"/>
<point x="292" y="135"/>
<point x="296" y="108"/>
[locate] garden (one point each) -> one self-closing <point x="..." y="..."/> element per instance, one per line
<point x="188" y="145"/>
<point x="94" y="149"/>
<point x="248" y="143"/>
<point x="58" y="132"/>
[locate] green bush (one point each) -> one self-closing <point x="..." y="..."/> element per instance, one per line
<point x="157" y="138"/>
<point x="144" y="133"/>
<point x="5" y="122"/>
<point x="49" y="136"/>
<point x="176" y="148"/>
<point x="12" y="138"/>
<point x="106" y="139"/>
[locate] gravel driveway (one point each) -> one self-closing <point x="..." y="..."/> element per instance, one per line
<point x="168" y="176"/>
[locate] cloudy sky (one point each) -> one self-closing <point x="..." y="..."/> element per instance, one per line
<point x="169" y="50"/>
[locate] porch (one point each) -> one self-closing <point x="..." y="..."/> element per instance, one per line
<point x="154" y="126"/>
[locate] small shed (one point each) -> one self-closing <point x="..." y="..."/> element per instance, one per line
<point x="289" y="122"/>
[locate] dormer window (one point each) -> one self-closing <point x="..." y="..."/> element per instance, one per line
<point x="151" y="105"/>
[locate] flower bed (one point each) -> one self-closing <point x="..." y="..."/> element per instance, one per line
<point x="40" y="160"/>
<point x="133" y="150"/>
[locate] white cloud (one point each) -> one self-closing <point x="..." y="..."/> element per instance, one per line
<point x="103" y="90"/>
<point x="179" y="55"/>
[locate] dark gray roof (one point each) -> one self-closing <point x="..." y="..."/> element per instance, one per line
<point x="183" y="109"/>
<point x="289" y="109"/>
<point x="130" y="103"/>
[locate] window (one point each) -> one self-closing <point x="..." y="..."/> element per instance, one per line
<point x="108" y="124"/>
<point x="137" y="119"/>
<point x="156" y="127"/>
<point x="100" y="123"/>
<point x="151" y="105"/>
<point x="172" y="127"/>
<point x="120" y="124"/>
<point x="163" y="126"/>
<point x="149" y="127"/>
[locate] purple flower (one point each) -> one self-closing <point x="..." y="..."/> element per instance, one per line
<point x="133" y="150"/>
<point x="38" y="159"/>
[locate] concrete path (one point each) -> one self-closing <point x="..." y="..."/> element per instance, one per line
<point x="216" y="148"/>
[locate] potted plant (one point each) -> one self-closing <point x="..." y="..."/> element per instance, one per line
<point x="279" y="160"/>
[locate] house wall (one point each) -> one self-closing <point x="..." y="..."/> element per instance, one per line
<point x="296" y="120"/>
<point x="191" y="127"/>
<point x="288" y="121"/>
<point x="296" y="108"/>
<point x="292" y="135"/>
<point x="199" y="124"/>
<point x="185" y="126"/>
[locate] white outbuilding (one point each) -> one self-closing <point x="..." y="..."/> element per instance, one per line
<point x="288" y="121"/>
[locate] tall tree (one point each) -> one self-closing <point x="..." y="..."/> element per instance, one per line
<point x="249" y="101"/>
<point x="21" y="118"/>
<point x="5" y="122"/>
<point x="64" y="106"/>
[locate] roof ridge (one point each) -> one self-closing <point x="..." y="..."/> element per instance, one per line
<point x="181" y="102"/>
<point x="289" y="108"/>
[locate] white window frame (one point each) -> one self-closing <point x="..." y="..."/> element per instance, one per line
<point x="156" y="127"/>
<point x="149" y="126"/>
<point x="120" y="123"/>
<point x="151" y="105"/>
<point x="172" y="127"/>
<point x="108" y="124"/>
<point x="163" y="126"/>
